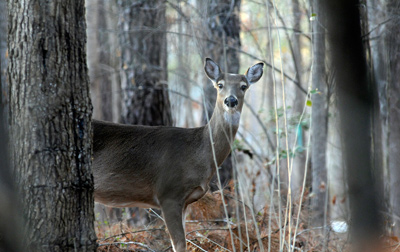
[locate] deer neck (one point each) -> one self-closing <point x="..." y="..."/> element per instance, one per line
<point x="224" y="126"/>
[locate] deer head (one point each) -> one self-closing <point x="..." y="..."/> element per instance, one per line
<point x="231" y="88"/>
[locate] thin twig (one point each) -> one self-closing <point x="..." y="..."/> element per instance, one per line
<point x="127" y="243"/>
<point x="133" y="232"/>
<point x="208" y="229"/>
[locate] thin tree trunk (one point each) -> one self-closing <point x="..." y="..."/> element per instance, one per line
<point x="393" y="91"/>
<point x="101" y="58"/>
<point x="319" y="120"/>
<point x="299" y="168"/>
<point x="378" y="50"/>
<point x="50" y="123"/>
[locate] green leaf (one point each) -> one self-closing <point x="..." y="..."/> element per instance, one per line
<point x="309" y="103"/>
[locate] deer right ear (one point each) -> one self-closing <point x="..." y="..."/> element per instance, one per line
<point x="254" y="73"/>
<point x="212" y="69"/>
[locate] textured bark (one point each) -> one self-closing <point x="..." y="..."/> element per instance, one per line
<point x="3" y="46"/>
<point x="319" y="120"/>
<point x="143" y="43"/>
<point x="50" y="123"/>
<point x="355" y="107"/>
<point x="393" y="92"/>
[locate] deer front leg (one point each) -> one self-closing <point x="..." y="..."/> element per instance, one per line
<point x="173" y="212"/>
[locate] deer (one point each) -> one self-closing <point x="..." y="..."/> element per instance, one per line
<point x="169" y="167"/>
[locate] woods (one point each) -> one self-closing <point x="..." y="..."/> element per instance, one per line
<point x="314" y="165"/>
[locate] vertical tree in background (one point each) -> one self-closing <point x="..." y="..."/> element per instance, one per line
<point x="378" y="65"/>
<point x="50" y="123"/>
<point x="299" y="168"/>
<point x="392" y="40"/>
<point x="102" y="59"/>
<point x="319" y="118"/>
<point x="143" y="43"/>
<point x="355" y="108"/>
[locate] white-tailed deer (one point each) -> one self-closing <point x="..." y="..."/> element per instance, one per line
<point x="169" y="167"/>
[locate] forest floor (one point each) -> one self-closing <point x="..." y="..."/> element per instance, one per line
<point x="207" y="230"/>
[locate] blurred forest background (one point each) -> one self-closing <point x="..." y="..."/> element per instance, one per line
<point x="286" y="181"/>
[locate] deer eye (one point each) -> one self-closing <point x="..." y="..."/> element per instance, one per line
<point x="243" y="87"/>
<point x="220" y="85"/>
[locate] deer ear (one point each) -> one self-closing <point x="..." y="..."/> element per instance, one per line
<point x="212" y="69"/>
<point x="254" y="73"/>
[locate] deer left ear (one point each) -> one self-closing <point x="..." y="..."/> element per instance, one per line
<point x="254" y="73"/>
<point x="212" y="69"/>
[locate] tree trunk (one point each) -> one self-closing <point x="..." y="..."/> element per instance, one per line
<point x="143" y="43"/>
<point x="379" y="64"/>
<point x="299" y="165"/>
<point x="355" y="105"/>
<point x="50" y="123"/>
<point x="3" y="46"/>
<point x="393" y="91"/>
<point x="319" y="120"/>
<point x="377" y="122"/>
<point x="102" y="55"/>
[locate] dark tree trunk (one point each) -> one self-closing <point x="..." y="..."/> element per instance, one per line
<point x="393" y="90"/>
<point x="143" y="43"/>
<point x="355" y="105"/>
<point x="374" y="75"/>
<point x="319" y="119"/>
<point x="50" y="123"/>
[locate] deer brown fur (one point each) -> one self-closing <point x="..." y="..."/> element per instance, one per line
<point x="169" y="167"/>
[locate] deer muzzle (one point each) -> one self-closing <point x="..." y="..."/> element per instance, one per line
<point x="231" y="102"/>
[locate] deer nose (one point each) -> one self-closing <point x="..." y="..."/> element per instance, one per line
<point x="231" y="101"/>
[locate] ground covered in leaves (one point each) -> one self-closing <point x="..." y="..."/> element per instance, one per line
<point x="208" y="230"/>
